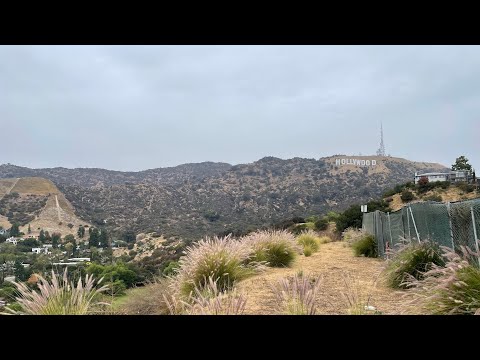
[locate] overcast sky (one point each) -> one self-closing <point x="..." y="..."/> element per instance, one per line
<point x="141" y="107"/>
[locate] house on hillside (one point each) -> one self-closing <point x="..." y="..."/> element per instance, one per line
<point x="40" y="250"/>
<point x="452" y="176"/>
<point x="11" y="240"/>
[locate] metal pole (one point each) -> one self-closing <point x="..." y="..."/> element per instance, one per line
<point x="475" y="233"/>
<point x="414" y="225"/>
<point x="408" y="224"/>
<point x="390" y="228"/>
<point x="450" y="224"/>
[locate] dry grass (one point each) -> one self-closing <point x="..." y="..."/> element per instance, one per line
<point x="297" y="295"/>
<point x="147" y="300"/>
<point x="330" y="263"/>
<point x="36" y="186"/>
<point x="357" y="302"/>
<point x="211" y="300"/>
<point x="451" y="194"/>
<point x="60" y="296"/>
<point x="351" y="235"/>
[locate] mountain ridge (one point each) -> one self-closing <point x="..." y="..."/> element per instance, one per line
<point x="190" y="201"/>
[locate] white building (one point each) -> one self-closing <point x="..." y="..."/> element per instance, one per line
<point x="79" y="259"/>
<point x="452" y="176"/>
<point x="41" y="250"/>
<point x="432" y="177"/>
<point x="11" y="240"/>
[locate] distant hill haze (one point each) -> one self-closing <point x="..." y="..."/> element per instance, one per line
<point x="193" y="200"/>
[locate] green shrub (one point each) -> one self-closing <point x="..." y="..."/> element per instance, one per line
<point x="468" y="188"/>
<point x="332" y="216"/>
<point x="299" y="228"/>
<point x="116" y="288"/>
<point x="412" y="260"/>
<point x="321" y="224"/>
<point x="308" y="250"/>
<point x="324" y="240"/>
<point x="309" y="239"/>
<point x="450" y="289"/>
<point x="8" y="291"/>
<point x="437" y="198"/>
<point x="443" y="184"/>
<point x="407" y="196"/>
<point x="276" y="248"/>
<point x="352" y="217"/>
<point x="366" y="246"/>
<point x="311" y="219"/>
<point x="171" y="268"/>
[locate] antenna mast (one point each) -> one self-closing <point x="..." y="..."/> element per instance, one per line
<point x="381" y="149"/>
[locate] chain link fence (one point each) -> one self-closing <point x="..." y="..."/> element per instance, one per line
<point x="449" y="224"/>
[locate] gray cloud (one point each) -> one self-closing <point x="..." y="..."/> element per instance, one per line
<point x="138" y="107"/>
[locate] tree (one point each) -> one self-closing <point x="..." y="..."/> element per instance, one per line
<point x="423" y="181"/>
<point x="29" y="229"/>
<point x="321" y="224"/>
<point x="70" y="239"/>
<point x="81" y="232"/>
<point x="69" y="248"/>
<point x="21" y="274"/>
<point x="461" y="163"/>
<point x="41" y="236"/>
<point x="56" y="240"/>
<point x="129" y="236"/>
<point x="352" y="217"/>
<point x="93" y="238"/>
<point x="48" y="238"/>
<point x="14" y="231"/>
<point x="407" y="196"/>
<point x="103" y="238"/>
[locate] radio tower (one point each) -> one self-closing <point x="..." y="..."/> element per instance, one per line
<point x="381" y="149"/>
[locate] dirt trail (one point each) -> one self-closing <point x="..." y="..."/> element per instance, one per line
<point x="58" y="208"/>
<point x="331" y="262"/>
<point x="10" y="189"/>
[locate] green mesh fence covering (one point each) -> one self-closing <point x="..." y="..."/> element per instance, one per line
<point x="449" y="224"/>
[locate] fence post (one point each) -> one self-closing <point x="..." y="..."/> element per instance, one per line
<point x="450" y="224"/>
<point x="408" y="224"/>
<point x="414" y="225"/>
<point x="390" y="229"/>
<point x="475" y="232"/>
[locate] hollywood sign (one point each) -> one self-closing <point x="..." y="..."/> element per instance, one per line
<point x="355" y="162"/>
